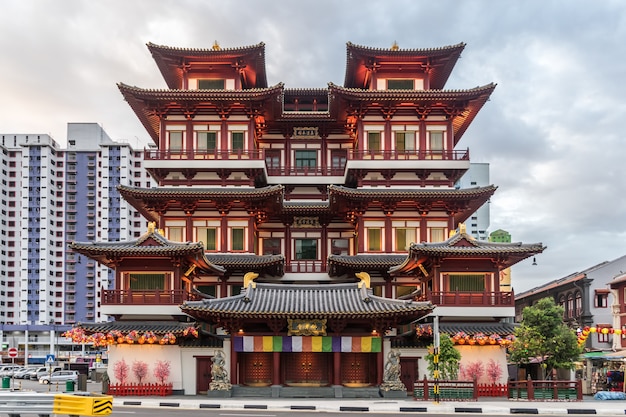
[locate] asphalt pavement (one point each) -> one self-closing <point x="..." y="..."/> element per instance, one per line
<point x="485" y="406"/>
<point x="588" y="405"/>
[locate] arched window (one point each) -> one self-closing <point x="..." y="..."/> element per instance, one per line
<point x="578" y="304"/>
<point x="562" y="304"/>
<point x="570" y="306"/>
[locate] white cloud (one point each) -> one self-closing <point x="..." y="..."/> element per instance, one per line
<point x="552" y="130"/>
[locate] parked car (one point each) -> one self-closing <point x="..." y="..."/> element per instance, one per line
<point x="9" y="370"/>
<point x="45" y="370"/>
<point x="59" y="376"/>
<point x="23" y="373"/>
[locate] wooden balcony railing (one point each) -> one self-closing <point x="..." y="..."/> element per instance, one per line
<point x="157" y="154"/>
<point x="306" y="266"/>
<point x="415" y="154"/>
<point x="146" y="297"/>
<point x="468" y="298"/>
<point x="259" y="155"/>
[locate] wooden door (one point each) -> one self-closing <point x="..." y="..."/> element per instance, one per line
<point x="306" y="369"/>
<point x="203" y="374"/>
<point x="409" y="373"/>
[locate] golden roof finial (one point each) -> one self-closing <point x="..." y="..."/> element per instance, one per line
<point x="216" y="46"/>
<point x="249" y="278"/>
<point x="365" y="279"/>
<point x="462" y="228"/>
<point x="395" y="46"/>
<point x="151" y="227"/>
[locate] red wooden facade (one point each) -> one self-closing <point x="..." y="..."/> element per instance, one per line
<point x="309" y="186"/>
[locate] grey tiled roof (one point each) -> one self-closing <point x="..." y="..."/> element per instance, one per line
<point x="471" y="328"/>
<point x="306" y="301"/>
<point x="157" y="327"/>
<point x="343" y="264"/>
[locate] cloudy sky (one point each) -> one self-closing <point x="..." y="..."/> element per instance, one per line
<point x="552" y="131"/>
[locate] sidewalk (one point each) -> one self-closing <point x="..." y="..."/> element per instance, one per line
<point x="484" y="406"/>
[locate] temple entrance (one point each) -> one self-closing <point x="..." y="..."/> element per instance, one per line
<point x="256" y="369"/>
<point x="358" y="369"/>
<point x="306" y="369"/>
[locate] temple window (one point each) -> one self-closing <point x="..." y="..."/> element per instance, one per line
<point x="237" y="238"/>
<point x="435" y="142"/>
<point x="147" y="281"/>
<point x="306" y="249"/>
<point x="437" y="234"/>
<point x="374" y="239"/>
<point x="404" y="237"/>
<point x="306" y="158"/>
<point x="175" y="233"/>
<point x="211" y="84"/>
<point x="237" y="141"/>
<point x="175" y="140"/>
<point x="338" y="159"/>
<point x="400" y="84"/>
<point x="271" y="246"/>
<point x="466" y="282"/>
<point x="405" y="141"/>
<point x="206" y="141"/>
<point x="340" y="246"/>
<point x="208" y="236"/>
<point x="272" y="159"/>
<point x="373" y="141"/>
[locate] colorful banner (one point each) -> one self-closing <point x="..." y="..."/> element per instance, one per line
<point x="307" y="344"/>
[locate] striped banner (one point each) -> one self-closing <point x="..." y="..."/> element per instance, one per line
<point x="307" y="344"/>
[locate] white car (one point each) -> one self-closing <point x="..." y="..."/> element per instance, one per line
<point x="59" y="376"/>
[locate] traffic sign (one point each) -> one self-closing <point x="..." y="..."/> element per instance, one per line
<point x="12" y="352"/>
<point x="50" y="358"/>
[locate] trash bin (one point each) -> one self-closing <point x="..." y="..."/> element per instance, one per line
<point x="6" y="382"/>
<point x="69" y="386"/>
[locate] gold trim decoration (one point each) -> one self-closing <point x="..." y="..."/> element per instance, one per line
<point x="306" y="327"/>
<point x="305" y="133"/>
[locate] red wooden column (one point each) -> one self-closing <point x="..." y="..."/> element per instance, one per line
<point x="234" y="374"/>
<point x="336" y="368"/>
<point x="276" y="370"/>
<point x="379" y="367"/>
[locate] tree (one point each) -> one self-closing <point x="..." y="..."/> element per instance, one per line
<point x="542" y="334"/>
<point x="449" y="359"/>
<point x="494" y="371"/>
<point x="140" y="369"/>
<point x="162" y="371"/>
<point x="120" y="370"/>
<point x="471" y="371"/>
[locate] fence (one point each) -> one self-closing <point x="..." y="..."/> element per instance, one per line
<point x="136" y="390"/>
<point x="546" y="390"/>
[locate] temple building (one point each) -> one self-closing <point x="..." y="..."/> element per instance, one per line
<point x="307" y="233"/>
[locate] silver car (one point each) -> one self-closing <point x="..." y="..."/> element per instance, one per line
<point x="59" y="376"/>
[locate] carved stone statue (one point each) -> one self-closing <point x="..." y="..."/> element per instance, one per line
<point x="391" y="377"/>
<point x="219" y="375"/>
